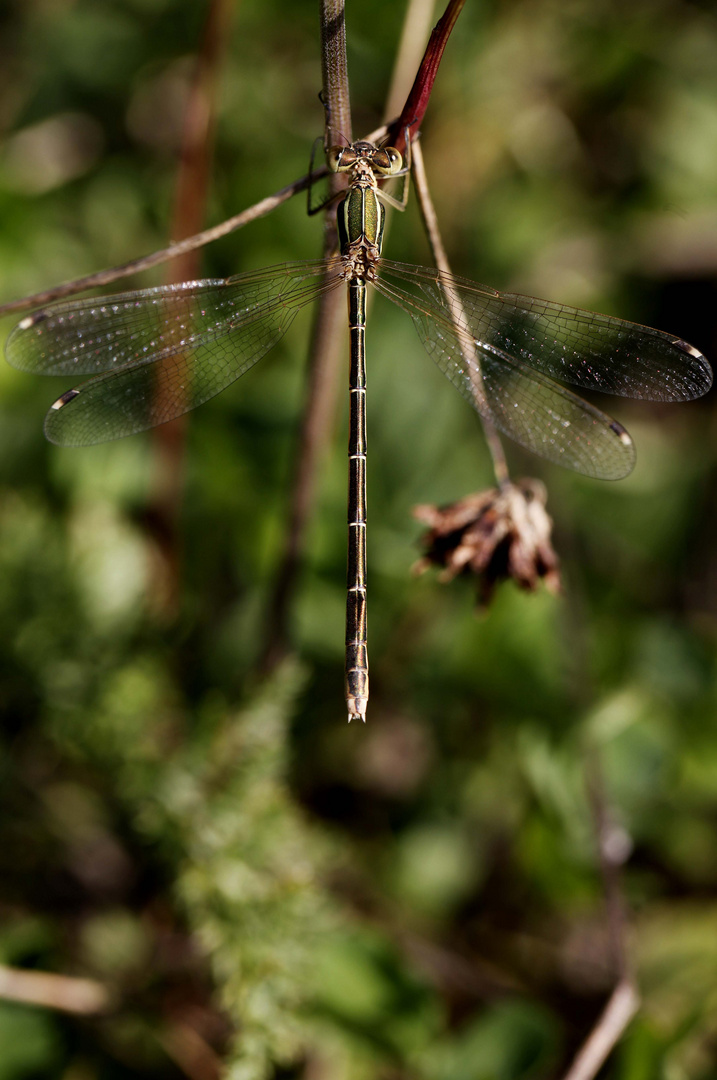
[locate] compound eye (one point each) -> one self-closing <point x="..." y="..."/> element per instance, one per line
<point x="380" y="162"/>
<point x="333" y="157"/>
<point x="395" y="159"/>
<point x="340" y="158"/>
<point x="388" y="161"/>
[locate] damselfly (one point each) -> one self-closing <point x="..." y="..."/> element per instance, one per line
<point x="157" y="353"/>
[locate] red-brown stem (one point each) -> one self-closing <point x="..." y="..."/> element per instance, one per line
<point x="168" y="440"/>
<point x="420" y="93"/>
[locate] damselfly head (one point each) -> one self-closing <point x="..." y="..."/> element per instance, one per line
<point x="384" y="160"/>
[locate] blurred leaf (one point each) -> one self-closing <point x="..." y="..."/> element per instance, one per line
<point x="29" y="1043"/>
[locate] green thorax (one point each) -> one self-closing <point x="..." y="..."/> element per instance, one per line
<point x="361" y="219"/>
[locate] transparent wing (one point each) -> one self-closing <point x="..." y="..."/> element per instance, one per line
<point x="596" y="352"/>
<point x="528" y="407"/>
<point x="158" y="353"/>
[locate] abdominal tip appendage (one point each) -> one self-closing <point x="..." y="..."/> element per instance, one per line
<point x="357" y="708"/>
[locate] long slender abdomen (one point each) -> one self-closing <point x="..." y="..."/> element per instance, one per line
<point x="356" y="648"/>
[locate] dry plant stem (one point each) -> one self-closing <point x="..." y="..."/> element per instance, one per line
<point x="83" y="997"/>
<point x="617" y="1014"/>
<point x="322" y="370"/>
<point x="334" y="68"/>
<point x="169" y="440"/>
<point x="327" y="335"/>
<point x="624" y="1001"/>
<point x="191" y="1053"/>
<point x="198" y="138"/>
<point x="411" y="116"/>
<point x="495" y="447"/>
<point x="321" y="393"/>
<point x="174" y="251"/>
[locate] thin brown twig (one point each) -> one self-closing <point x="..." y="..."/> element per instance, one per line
<point x="176" y="249"/>
<point x="193" y="178"/>
<point x="617" y="1014"/>
<point x="322" y="370"/>
<point x="625" y="999"/>
<point x="337" y="99"/>
<point x="321" y="391"/>
<point x="191" y="1053"/>
<point x="83" y="997"/>
<point x="495" y="447"/>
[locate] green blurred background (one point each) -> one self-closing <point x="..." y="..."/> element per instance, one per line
<point x="255" y="881"/>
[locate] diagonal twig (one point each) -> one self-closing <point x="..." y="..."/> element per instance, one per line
<point x="625" y="999"/>
<point x="495" y="447"/>
<point x="192" y="1055"/>
<point x="83" y="997"/>
<point x="336" y="98"/>
<point x="175" y="250"/>
<point x="617" y="1014"/>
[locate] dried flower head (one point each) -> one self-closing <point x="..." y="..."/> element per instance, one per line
<point x="496" y="534"/>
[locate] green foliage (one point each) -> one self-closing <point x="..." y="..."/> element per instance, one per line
<point x="29" y="1041"/>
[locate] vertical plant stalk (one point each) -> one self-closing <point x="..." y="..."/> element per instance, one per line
<point x="428" y="213"/>
<point x="335" y="74"/>
<point x="322" y="371"/>
<point x="617" y="1014"/>
<point x="328" y="330"/>
<point x="169" y="440"/>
